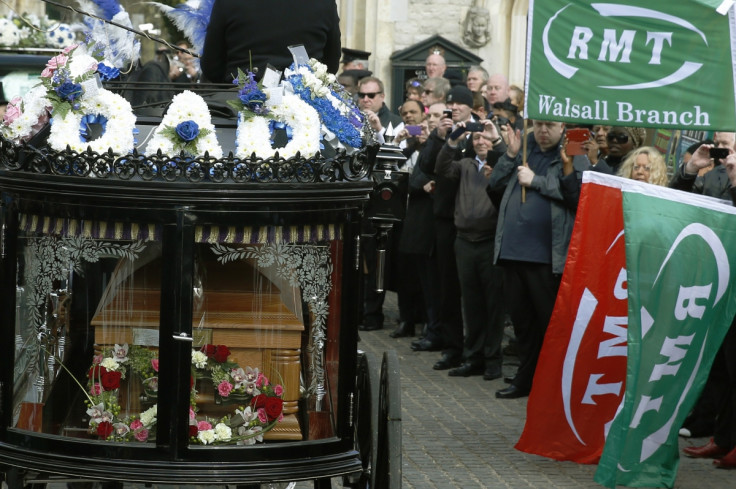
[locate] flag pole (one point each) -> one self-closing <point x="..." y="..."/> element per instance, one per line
<point x="523" y="159"/>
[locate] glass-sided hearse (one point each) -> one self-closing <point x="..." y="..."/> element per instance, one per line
<point x="189" y="319"/>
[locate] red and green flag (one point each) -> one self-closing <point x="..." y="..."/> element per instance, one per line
<point x="681" y="301"/>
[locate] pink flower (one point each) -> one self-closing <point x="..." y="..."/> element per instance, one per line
<point x="192" y="414"/>
<point x="136" y="425"/>
<point x="224" y="388"/>
<point x="154" y="364"/>
<point x="53" y="64"/>
<point x="262" y="380"/>
<point x="96" y="389"/>
<point x="69" y="49"/>
<point x="262" y="416"/>
<point x="141" y="435"/>
<point x="278" y="390"/>
<point x="97" y="359"/>
<point x="203" y="426"/>
<point x="12" y="112"/>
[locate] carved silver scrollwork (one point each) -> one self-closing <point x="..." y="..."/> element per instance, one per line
<point x="50" y="263"/>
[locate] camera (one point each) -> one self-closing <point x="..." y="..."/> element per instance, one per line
<point x="474" y="127"/>
<point x="502" y="121"/>
<point x="447" y="113"/>
<point x="717" y="154"/>
<point x="413" y="130"/>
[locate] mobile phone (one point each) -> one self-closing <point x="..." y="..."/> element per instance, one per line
<point x="474" y="127"/>
<point x="413" y="130"/>
<point x="717" y="154"/>
<point x="575" y="139"/>
<point x="502" y="121"/>
<point x="447" y="113"/>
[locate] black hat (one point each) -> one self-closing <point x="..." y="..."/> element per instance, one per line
<point x="460" y="94"/>
<point x="357" y="74"/>
<point x="506" y="105"/>
<point x="349" y="55"/>
<point x="455" y="77"/>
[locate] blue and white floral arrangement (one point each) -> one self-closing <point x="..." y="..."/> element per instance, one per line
<point x="32" y="31"/>
<point x="342" y="121"/>
<point x="79" y="103"/>
<point x="185" y="128"/>
<point x="260" y="116"/>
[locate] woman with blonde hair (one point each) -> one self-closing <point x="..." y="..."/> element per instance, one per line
<point x="645" y="164"/>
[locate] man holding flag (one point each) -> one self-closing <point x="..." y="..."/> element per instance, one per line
<point x="533" y="233"/>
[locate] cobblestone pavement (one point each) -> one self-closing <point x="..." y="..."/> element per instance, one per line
<point x="456" y="434"/>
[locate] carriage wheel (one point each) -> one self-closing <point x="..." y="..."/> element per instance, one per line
<point x="365" y="414"/>
<point x="387" y="470"/>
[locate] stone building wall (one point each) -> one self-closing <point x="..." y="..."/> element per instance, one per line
<point x="386" y="26"/>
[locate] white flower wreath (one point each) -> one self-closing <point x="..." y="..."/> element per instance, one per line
<point x="118" y="134"/>
<point x="254" y="133"/>
<point x="186" y="106"/>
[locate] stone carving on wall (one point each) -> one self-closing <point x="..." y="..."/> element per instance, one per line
<point x="477" y="25"/>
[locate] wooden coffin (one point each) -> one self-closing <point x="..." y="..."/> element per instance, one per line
<point x="234" y="305"/>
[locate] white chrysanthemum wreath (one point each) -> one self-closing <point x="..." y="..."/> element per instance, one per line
<point x="104" y="107"/>
<point x="186" y="126"/>
<point x="254" y="132"/>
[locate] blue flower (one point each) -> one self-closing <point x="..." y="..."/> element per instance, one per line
<point x="107" y="72"/>
<point x="187" y="130"/>
<point x="69" y="91"/>
<point x="253" y="100"/>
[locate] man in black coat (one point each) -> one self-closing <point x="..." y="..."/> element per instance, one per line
<point x="241" y="33"/>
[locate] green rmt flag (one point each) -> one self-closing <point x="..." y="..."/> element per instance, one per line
<point x="680" y="262"/>
<point x="646" y="63"/>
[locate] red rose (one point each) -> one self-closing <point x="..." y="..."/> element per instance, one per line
<point x="259" y="401"/>
<point x="104" y="429"/>
<point x="221" y="353"/>
<point x="209" y="350"/>
<point x="111" y="380"/>
<point x="96" y="372"/>
<point x="273" y="407"/>
<point x="193" y="430"/>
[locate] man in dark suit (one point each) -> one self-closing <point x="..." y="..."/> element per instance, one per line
<point x="244" y="34"/>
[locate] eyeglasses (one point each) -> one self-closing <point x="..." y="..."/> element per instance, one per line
<point x="369" y="95"/>
<point x="642" y="167"/>
<point x="619" y="137"/>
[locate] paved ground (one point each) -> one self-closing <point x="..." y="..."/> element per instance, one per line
<point x="456" y="434"/>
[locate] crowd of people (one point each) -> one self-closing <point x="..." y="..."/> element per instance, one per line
<point x="487" y="227"/>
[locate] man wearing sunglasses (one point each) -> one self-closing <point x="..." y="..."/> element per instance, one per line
<point x="435" y="91"/>
<point x="371" y="100"/>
